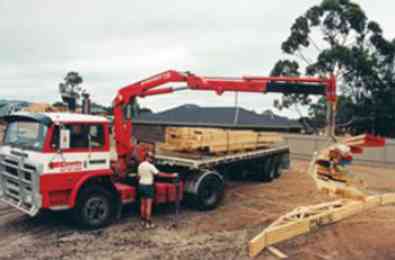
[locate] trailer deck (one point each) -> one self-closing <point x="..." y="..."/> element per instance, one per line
<point x="209" y="161"/>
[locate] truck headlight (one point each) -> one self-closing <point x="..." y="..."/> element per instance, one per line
<point x="28" y="199"/>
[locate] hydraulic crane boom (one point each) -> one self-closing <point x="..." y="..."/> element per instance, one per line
<point x="154" y="86"/>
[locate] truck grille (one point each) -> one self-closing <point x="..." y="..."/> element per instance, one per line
<point x="19" y="184"/>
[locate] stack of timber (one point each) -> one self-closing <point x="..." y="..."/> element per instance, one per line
<point x="212" y="140"/>
<point x="39" y="108"/>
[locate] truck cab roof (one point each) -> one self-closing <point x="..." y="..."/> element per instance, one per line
<point x="57" y="118"/>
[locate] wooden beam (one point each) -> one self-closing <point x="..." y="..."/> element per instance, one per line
<point x="277" y="253"/>
<point x="388" y="198"/>
<point x="277" y="234"/>
<point x="348" y="211"/>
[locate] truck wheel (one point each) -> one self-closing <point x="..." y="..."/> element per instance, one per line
<point x="270" y="169"/>
<point x="94" y="208"/>
<point x="209" y="192"/>
<point x="274" y="171"/>
<point x="264" y="171"/>
<point x="277" y="165"/>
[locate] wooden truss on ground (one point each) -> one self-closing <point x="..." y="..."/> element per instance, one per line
<point x="305" y="219"/>
<point x="302" y="220"/>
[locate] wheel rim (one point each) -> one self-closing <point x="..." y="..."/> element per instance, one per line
<point x="96" y="210"/>
<point x="273" y="169"/>
<point x="272" y="173"/>
<point x="268" y="170"/>
<point x="208" y="194"/>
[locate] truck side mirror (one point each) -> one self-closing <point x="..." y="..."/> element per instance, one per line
<point x="64" y="140"/>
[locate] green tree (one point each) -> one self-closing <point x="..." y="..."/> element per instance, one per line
<point x="317" y="111"/>
<point x="70" y="90"/>
<point x="353" y="48"/>
<point x="288" y="68"/>
<point x="73" y="79"/>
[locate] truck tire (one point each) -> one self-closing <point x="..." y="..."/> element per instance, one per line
<point x="270" y="169"/>
<point x="277" y="165"/>
<point x="210" y="192"/>
<point x="263" y="171"/>
<point x="284" y="163"/>
<point x="94" y="208"/>
<point x="275" y="171"/>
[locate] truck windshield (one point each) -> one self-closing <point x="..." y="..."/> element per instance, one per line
<point x="25" y="135"/>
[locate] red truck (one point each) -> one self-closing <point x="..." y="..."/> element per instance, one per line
<point x="61" y="161"/>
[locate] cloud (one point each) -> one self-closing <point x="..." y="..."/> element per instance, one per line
<point x="114" y="43"/>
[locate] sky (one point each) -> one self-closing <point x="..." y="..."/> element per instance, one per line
<point x="115" y="43"/>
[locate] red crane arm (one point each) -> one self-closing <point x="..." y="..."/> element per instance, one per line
<point x="153" y="86"/>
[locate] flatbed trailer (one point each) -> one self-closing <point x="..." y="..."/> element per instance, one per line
<point x="205" y="175"/>
<point x="212" y="161"/>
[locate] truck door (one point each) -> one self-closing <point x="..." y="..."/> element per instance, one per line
<point x="98" y="154"/>
<point x="88" y="148"/>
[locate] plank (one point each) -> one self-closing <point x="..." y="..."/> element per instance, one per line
<point x="277" y="252"/>
<point x="388" y="198"/>
<point x="373" y="201"/>
<point x="277" y="234"/>
<point x="350" y="210"/>
<point x="280" y="233"/>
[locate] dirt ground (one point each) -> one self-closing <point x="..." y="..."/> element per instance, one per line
<point x="220" y="234"/>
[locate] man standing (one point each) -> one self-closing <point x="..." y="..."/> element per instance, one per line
<point x="146" y="172"/>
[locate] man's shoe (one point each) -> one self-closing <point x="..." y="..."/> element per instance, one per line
<point x="151" y="225"/>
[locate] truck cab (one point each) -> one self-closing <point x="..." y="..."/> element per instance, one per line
<point x="60" y="161"/>
<point x="48" y="158"/>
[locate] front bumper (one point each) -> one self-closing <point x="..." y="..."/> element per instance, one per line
<point x="20" y="183"/>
